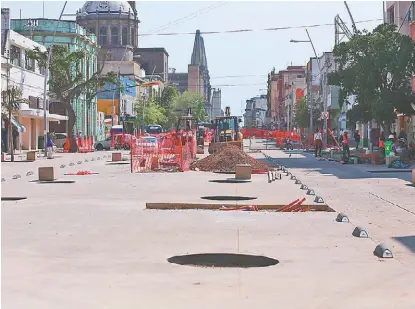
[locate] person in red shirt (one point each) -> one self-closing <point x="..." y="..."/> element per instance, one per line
<point x="345" y="142"/>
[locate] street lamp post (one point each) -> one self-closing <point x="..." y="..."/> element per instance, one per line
<point x="45" y="82"/>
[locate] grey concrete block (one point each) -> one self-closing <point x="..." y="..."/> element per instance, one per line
<point x="341" y="217"/>
<point x="298" y="182"/>
<point x="30" y="173"/>
<point x="46" y="173"/>
<point x="93" y="159"/>
<point x="360" y="232"/>
<point x="310" y="192"/>
<point x="318" y="199"/>
<point x="17" y="176"/>
<point x="303" y="187"/>
<point x="79" y="162"/>
<point x="71" y="164"/>
<point x="3" y="180"/>
<point x="383" y="251"/>
<point x="293" y="177"/>
<point x="63" y="166"/>
<point x="99" y="158"/>
<point x="86" y="160"/>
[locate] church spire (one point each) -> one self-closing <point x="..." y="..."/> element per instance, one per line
<point x="199" y="53"/>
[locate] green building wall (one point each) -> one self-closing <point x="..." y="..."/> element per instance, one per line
<point x="76" y="38"/>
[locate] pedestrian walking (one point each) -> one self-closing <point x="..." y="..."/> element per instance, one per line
<point x="49" y="146"/>
<point x="357" y="138"/>
<point x="318" y="143"/>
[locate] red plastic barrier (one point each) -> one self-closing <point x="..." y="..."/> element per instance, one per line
<point x="85" y="144"/>
<point x="164" y="151"/>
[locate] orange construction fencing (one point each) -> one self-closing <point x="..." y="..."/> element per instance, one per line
<point x="167" y="151"/>
<point x="85" y="144"/>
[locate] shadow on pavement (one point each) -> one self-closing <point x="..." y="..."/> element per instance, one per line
<point x="407" y="241"/>
<point x="348" y="171"/>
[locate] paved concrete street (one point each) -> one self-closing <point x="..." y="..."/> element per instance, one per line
<point x="92" y="243"/>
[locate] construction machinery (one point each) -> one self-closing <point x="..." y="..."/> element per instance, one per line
<point x="189" y="126"/>
<point x="226" y="132"/>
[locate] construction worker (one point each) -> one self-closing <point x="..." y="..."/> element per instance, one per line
<point x="346" y="148"/>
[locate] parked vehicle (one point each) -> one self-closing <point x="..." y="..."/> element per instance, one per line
<point x="59" y="140"/>
<point x="103" y="144"/>
<point x="154" y="129"/>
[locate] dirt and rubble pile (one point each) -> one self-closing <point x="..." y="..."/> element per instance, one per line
<point x="226" y="159"/>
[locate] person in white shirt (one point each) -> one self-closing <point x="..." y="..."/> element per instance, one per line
<point x="318" y="143"/>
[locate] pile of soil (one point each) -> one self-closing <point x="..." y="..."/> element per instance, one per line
<point x="226" y="159"/>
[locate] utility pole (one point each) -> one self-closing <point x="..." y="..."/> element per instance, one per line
<point x="45" y="82"/>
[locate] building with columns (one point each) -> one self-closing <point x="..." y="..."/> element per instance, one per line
<point x="116" y="25"/>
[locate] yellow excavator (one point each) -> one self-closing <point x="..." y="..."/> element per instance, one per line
<point x="226" y="132"/>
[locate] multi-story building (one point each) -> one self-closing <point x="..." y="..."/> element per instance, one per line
<point x="256" y="112"/>
<point x="216" y="103"/>
<point x="18" y="70"/>
<point x="116" y="25"/>
<point x="76" y="38"/>
<point x="284" y="89"/>
<point x="313" y="88"/>
<point x="154" y="61"/>
<point x="118" y="103"/>
<point x="330" y="94"/>
<point x="248" y="119"/>
<point x="402" y="14"/>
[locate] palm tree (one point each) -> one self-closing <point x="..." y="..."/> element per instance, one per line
<point x="12" y="98"/>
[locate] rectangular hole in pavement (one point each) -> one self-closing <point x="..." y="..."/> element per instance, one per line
<point x="276" y="207"/>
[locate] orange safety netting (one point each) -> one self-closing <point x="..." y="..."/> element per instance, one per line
<point x="174" y="149"/>
<point x="85" y="144"/>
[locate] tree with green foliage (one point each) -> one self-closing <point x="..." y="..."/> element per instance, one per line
<point x="377" y="67"/>
<point x="302" y="114"/>
<point x="67" y="82"/>
<point x="153" y="112"/>
<point x="185" y="101"/>
<point x="167" y="101"/>
<point x="11" y="99"/>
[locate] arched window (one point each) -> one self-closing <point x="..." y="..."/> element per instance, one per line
<point x="114" y="35"/>
<point x="124" y="36"/>
<point x="103" y="36"/>
<point x="132" y="43"/>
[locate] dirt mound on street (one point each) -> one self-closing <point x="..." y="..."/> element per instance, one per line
<point x="226" y="159"/>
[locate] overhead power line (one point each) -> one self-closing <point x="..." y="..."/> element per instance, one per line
<point x="185" y="18"/>
<point x="252" y="30"/>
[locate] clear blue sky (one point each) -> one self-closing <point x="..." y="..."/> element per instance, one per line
<point x="252" y="53"/>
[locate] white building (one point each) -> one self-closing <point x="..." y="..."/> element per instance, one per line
<point x="18" y="70"/>
<point x="255" y="112"/>
<point x="216" y="103"/>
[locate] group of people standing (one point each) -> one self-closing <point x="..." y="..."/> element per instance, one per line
<point x="344" y="141"/>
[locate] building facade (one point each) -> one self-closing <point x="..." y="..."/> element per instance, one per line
<point x="402" y="14"/>
<point x="154" y="60"/>
<point x="115" y="24"/>
<point x="256" y="110"/>
<point x="19" y="71"/>
<point x="118" y="103"/>
<point x="216" y="103"/>
<point x="75" y="38"/>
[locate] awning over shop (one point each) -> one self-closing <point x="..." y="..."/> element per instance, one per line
<point x="37" y="113"/>
<point x="18" y="125"/>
